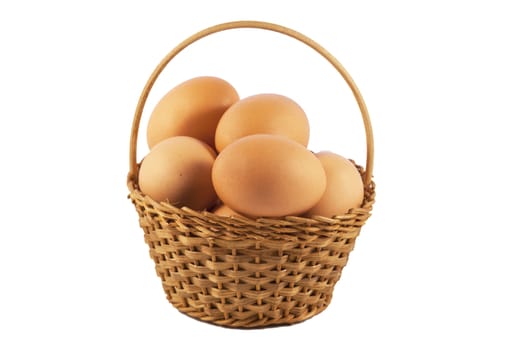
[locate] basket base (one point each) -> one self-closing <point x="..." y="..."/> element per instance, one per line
<point x="253" y="322"/>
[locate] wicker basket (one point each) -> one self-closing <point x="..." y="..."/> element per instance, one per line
<point x="245" y="273"/>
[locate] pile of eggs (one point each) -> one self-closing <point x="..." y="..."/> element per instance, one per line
<point x="211" y="150"/>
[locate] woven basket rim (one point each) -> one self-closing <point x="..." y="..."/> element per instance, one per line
<point x="262" y="222"/>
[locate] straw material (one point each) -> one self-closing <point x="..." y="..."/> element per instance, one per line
<point x="240" y="272"/>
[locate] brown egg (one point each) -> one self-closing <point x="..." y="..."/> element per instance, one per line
<point x="268" y="175"/>
<point x="223" y="210"/>
<point x="192" y="108"/>
<point x="344" y="186"/>
<point x="263" y="114"/>
<point x="178" y="170"/>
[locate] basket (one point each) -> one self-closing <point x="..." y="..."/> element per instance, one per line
<point x="248" y="273"/>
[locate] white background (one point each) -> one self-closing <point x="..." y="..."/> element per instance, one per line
<point x="439" y="265"/>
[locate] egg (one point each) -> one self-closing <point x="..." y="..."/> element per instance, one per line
<point x="178" y="170"/>
<point x="223" y="210"/>
<point x="192" y="108"/>
<point x="344" y="186"/>
<point x="267" y="175"/>
<point x="263" y="114"/>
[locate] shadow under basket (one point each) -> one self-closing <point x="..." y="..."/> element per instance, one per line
<point x="248" y="273"/>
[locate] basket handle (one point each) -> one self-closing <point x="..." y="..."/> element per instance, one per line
<point x="133" y="166"/>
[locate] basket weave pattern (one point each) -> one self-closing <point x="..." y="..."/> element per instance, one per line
<point x="240" y="272"/>
<point x="248" y="273"/>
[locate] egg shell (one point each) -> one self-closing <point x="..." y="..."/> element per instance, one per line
<point x="178" y="170"/>
<point x="263" y="114"/>
<point x="344" y="186"/>
<point x="224" y="210"/>
<point x="192" y="108"/>
<point x="268" y="176"/>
